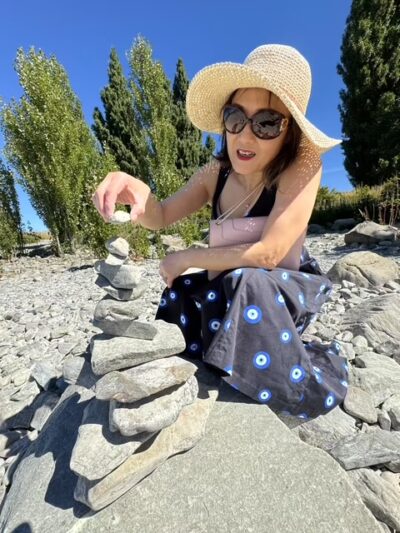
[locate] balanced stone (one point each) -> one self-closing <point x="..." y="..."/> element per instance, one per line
<point x="127" y="328"/>
<point x="126" y="276"/>
<point x="120" y="217"/>
<point x="109" y="308"/>
<point x="118" y="318"/>
<point x="118" y="246"/>
<point x="121" y="294"/>
<point x="114" y="353"/>
<point x="144" y="380"/>
<point x="113" y="259"/>
<point x="97" y="450"/>
<point x="152" y="414"/>
<point x="183" y="434"/>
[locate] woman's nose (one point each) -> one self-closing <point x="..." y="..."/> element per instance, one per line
<point x="247" y="131"/>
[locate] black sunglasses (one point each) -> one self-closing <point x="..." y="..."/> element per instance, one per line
<point x="265" y="124"/>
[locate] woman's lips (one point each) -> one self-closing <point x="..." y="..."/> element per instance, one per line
<point x="244" y="158"/>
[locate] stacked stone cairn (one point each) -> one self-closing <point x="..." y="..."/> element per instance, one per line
<point x="146" y="404"/>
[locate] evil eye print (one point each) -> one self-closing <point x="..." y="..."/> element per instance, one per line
<point x="344" y="383"/>
<point x="238" y="271"/>
<point x="183" y="319"/>
<point x="227" y="325"/>
<point x="212" y="296"/>
<point x="322" y="287"/>
<point x="330" y="400"/>
<point x="252" y="314"/>
<point x="187" y="281"/>
<point x="173" y="295"/>
<point x="261" y="360"/>
<point x="297" y="373"/>
<point x="285" y="336"/>
<point x="163" y="302"/>
<point x="279" y="299"/>
<point x="214" y="324"/>
<point x="285" y="276"/>
<point x="301" y="298"/>
<point x="194" y="346"/>
<point x="316" y="369"/>
<point x="228" y="370"/>
<point x="337" y="346"/>
<point x="264" y="395"/>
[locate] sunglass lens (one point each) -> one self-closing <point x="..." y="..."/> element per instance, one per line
<point x="266" y="124"/>
<point x="234" y="119"/>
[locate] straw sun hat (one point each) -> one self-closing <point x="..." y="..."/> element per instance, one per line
<point x="276" y="67"/>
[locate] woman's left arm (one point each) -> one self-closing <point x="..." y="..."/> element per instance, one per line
<point x="294" y="202"/>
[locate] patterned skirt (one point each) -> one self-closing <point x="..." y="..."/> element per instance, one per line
<point x="246" y="324"/>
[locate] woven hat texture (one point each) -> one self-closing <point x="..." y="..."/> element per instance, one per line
<point x="276" y="67"/>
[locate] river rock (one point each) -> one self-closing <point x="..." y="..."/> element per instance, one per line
<point x="115" y="353"/>
<point x="144" y="380"/>
<point x="153" y="413"/>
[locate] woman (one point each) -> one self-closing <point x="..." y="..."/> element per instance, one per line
<point x="246" y="321"/>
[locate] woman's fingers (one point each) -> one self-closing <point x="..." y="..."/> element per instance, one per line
<point x="116" y="188"/>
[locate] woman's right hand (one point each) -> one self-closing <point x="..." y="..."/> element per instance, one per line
<point x="120" y="187"/>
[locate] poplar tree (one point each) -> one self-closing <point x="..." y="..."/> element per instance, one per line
<point x="11" y="235"/>
<point x="190" y="152"/>
<point x="152" y="97"/>
<point x="54" y="151"/>
<point x="118" y="128"/>
<point x="370" y="109"/>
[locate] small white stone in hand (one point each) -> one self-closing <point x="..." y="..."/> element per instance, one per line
<point x="120" y="217"/>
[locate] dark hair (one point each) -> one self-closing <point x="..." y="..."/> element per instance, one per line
<point x="281" y="161"/>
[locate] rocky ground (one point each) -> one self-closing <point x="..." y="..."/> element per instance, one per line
<point x="46" y="311"/>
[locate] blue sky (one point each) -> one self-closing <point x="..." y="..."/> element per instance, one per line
<point x="81" y="35"/>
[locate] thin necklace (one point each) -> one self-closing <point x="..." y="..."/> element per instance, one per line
<point x="222" y="216"/>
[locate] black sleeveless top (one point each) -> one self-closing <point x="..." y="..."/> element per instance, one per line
<point x="262" y="207"/>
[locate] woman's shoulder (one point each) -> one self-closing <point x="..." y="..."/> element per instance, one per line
<point x="214" y="169"/>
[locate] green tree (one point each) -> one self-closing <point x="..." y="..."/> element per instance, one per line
<point x="190" y="152"/>
<point x="370" y="109"/>
<point x="119" y="129"/>
<point x="152" y="98"/>
<point x="11" y="235"/>
<point x="52" y="149"/>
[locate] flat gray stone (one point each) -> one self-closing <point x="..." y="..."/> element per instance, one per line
<point x="121" y="294"/>
<point x="126" y="276"/>
<point x="115" y="353"/>
<point x="178" y="437"/>
<point x="109" y="308"/>
<point x="134" y="329"/>
<point x="97" y="450"/>
<point x="118" y="246"/>
<point x="144" y="380"/>
<point x="152" y="414"/>
<point x="247" y="471"/>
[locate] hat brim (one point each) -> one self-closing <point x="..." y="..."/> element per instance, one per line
<point x="210" y="88"/>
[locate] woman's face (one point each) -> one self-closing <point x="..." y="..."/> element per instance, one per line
<point x="252" y="100"/>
